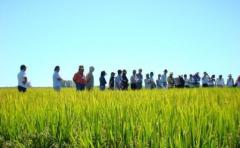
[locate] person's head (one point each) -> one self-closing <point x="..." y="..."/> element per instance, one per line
<point x="159" y="76"/>
<point x="112" y="74"/>
<point x="230" y="76"/>
<point x="134" y="72"/>
<point x="91" y="69"/>
<point x="185" y="76"/>
<point x="213" y="77"/>
<point x="238" y="79"/>
<point x="57" y="69"/>
<point x="124" y="72"/>
<point x="165" y="71"/>
<point x="103" y="73"/>
<point x="197" y="74"/>
<point x="151" y="74"/>
<point x="23" y="68"/>
<point x="119" y="72"/>
<point x="81" y="68"/>
<point x="171" y="74"/>
<point x="147" y="76"/>
<point x="205" y="74"/>
<point x="140" y="71"/>
<point x="190" y="75"/>
<point x="220" y="76"/>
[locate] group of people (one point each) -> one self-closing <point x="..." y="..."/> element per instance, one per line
<point x="121" y="81"/>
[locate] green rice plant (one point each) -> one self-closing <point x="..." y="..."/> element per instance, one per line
<point x="147" y="118"/>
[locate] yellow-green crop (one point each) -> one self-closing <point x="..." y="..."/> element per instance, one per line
<point x="148" y="118"/>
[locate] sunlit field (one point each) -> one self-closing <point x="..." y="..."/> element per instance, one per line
<point x="147" y="118"/>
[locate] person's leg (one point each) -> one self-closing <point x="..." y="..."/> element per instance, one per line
<point x="78" y="87"/>
<point x="82" y="87"/>
<point x="57" y="88"/>
<point x="22" y="89"/>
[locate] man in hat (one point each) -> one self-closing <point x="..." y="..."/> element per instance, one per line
<point x="79" y="79"/>
<point x="230" y="81"/>
<point x="90" y="79"/>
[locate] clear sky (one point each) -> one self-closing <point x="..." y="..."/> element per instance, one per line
<point x="184" y="36"/>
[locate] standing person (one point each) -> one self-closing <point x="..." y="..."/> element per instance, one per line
<point x="102" y="80"/>
<point x="159" y="81"/>
<point x="147" y="82"/>
<point x="171" y="81"/>
<point x="212" y="81"/>
<point x="134" y="80"/>
<point x="230" y="81"/>
<point x="90" y="79"/>
<point x="205" y="79"/>
<point x="111" y="81"/>
<point x="79" y="79"/>
<point x="22" y="79"/>
<point x="118" y="80"/>
<point x="124" y="80"/>
<point x="186" y="81"/>
<point x="164" y="78"/>
<point x="197" y="79"/>
<point x="139" y="79"/>
<point x="191" y="81"/>
<point x="153" y="84"/>
<point x="181" y="82"/>
<point x="238" y="82"/>
<point x="57" y="80"/>
<point x="220" y="81"/>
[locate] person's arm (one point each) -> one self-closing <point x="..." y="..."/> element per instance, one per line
<point x="74" y="78"/>
<point x="24" y="81"/>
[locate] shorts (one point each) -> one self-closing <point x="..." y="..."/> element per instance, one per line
<point x="22" y="89"/>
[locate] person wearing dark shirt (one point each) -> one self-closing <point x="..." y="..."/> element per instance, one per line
<point x="102" y="80"/>
<point x="139" y="79"/>
<point x="111" y="81"/>
<point x="124" y="80"/>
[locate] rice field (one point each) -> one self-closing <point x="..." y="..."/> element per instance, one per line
<point x="148" y="118"/>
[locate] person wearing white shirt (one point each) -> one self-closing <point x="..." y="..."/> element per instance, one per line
<point x="164" y="78"/>
<point x="90" y="79"/>
<point x="147" y="82"/>
<point x="118" y="80"/>
<point x="212" y="81"/>
<point x="205" y="79"/>
<point x="230" y="81"/>
<point x="22" y="79"/>
<point x="134" y="80"/>
<point x="57" y="85"/>
<point x="191" y="81"/>
<point x="186" y="81"/>
<point x="220" y="81"/>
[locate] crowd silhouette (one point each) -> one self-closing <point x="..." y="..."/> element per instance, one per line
<point x="136" y="82"/>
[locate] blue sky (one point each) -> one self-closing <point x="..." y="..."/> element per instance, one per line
<point x="183" y="36"/>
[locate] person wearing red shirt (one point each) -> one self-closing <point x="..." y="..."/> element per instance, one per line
<point x="80" y="79"/>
